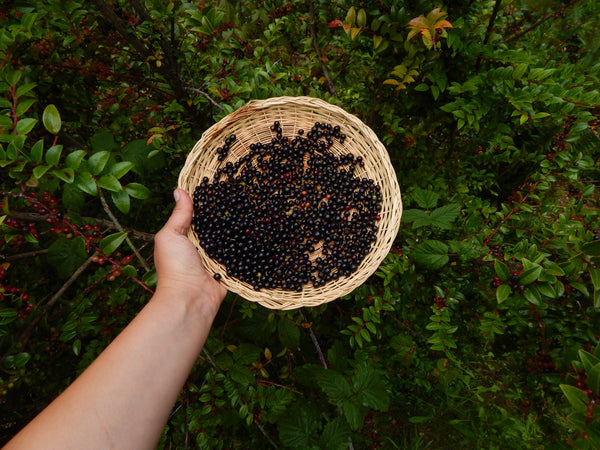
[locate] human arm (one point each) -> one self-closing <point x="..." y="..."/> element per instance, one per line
<point x="123" y="399"/>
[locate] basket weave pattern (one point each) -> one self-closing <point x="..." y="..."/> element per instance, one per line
<point x="252" y="124"/>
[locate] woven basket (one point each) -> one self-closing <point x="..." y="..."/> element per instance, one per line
<point x="251" y="124"/>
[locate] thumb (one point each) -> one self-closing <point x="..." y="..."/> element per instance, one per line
<point x="181" y="217"/>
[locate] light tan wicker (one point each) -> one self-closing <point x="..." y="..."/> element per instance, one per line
<point x="251" y="124"/>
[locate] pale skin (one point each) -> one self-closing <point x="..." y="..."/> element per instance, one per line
<point x="124" y="398"/>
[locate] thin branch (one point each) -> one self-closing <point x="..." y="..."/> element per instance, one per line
<point x="262" y="430"/>
<point x="315" y="342"/>
<point x="36" y="217"/>
<point x="121" y="229"/>
<point x="26" y="334"/>
<point x="530" y="28"/>
<point x="23" y="255"/>
<point x="204" y="94"/>
<point x="313" y="33"/>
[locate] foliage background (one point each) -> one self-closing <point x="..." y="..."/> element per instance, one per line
<point x="478" y="330"/>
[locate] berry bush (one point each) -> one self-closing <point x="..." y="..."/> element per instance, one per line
<point x="481" y="327"/>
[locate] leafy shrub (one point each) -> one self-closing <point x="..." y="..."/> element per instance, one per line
<point x="480" y="327"/>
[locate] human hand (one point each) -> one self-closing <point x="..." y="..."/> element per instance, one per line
<point x="179" y="268"/>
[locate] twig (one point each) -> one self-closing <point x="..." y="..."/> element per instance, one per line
<point x="313" y="33"/>
<point x="204" y="94"/>
<point x="529" y="28"/>
<point x="36" y="217"/>
<point x="262" y="430"/>
<point x="490" y="28"/>
<point x="121" y="229"/>
<point x="315" y="342"/>
<point x="26" y="334"/>
<point x="23" y="255"/>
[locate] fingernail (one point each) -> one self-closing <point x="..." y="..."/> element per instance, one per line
<point x="176" y="195"/>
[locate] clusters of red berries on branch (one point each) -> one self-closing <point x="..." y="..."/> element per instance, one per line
<point x="14" y="295"/>
<point x="560" y="140"/>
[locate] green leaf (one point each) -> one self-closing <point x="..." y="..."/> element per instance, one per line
<point x="433" y="254"/>
<point x="24" y="89"/>
<point x="24" y="126"/>
<point x="246" y="353"/>
<point x="111" y="242"/>
<point x="502" y="270"/>
<point x="502" y="292"/>
<point x="443" y="216"/>
<point x="591" y="248"/>
<point x="121" y="200"/>
<point x="102" y="141"/>
<point x="532" y="295"/>
<point x="97" y="162"/>
<point x="593" y="378"/>
<point x="425" y="199"/>
<point x="66" y="255"/>
<point x="86" y="182"/>
<point x="288" y="333"/>
<point x="24" y="105"/>
<point x="109" y="182"/>
<point x="595" y="277"/>
<point x="354" y="414"/>
<point x="119" y="169"/>
<point x="300" y="425"/>
<point x="334" y="384"/>
<point x="336" y="435"/>
<point x="370" y="389"/>
<point x="67" y="174"/>
<point x="37" y="151"/>
<point x="530" y="275"/>
<point x="39" y="171"/>
<point x="576" y="397"/>
<point x="73" y="159"/>
<point x="53" y="155"/>
<point x="588" y="360"/>
<point x="137" y="190"/>
<point x="51" y="119"/>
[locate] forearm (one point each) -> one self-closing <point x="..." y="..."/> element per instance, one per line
<point x="124" y="398"/>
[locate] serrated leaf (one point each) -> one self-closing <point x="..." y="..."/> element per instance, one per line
<point x="110" y="183"/>
<point x="425" y="199"/>
<point x="53" y="155"/>
<point x="443" y="216"/>
<point x="334" y="384"/>
<point x="111" y="242"/>
<point x="51" y="119"/>
<point x="433" y="254"/>
<point x="370" y="390"/>
<point x="66" y="255"/>
<point x="502" y="292"/>
<point x="336" y="435"/>
<point x="97" y="162"/>
<point x="299" y="426"/>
